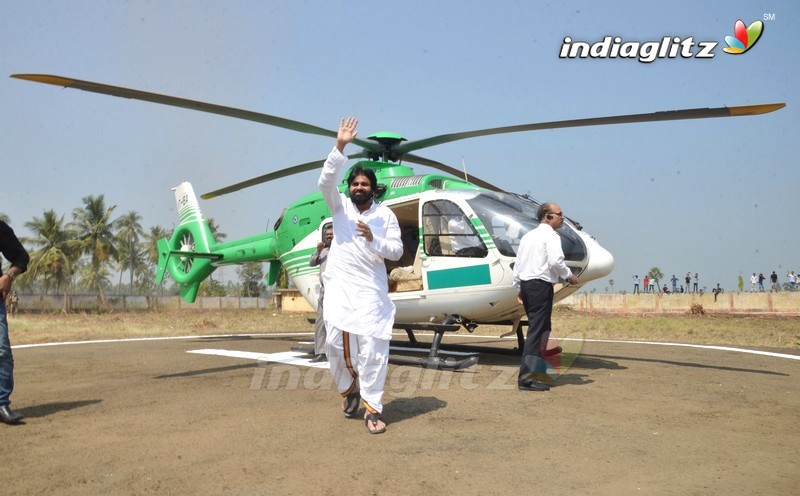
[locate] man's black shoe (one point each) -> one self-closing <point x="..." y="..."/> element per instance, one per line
<point x="9" y="416"/>
<point x="533" y="386"/>
<point x="322" y="357"/>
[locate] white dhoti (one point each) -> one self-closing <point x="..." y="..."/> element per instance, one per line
<point x="359" y="363"/>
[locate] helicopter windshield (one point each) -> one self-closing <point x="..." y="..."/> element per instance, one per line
<point x="508" y="217"/>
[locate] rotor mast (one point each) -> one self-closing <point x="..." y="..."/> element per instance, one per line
<point x="388" y="147"/>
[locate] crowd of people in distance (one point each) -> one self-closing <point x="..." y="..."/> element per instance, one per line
<point x="758" y="282"/>
<point x="650" y="285"/>
<point x="692" y="282"/>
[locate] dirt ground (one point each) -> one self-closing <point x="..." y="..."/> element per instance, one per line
<point x="147" y="417"/>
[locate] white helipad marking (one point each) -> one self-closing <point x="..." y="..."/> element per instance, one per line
<point x="687" y="345"/>
<point x="287" y="357"/>
<point x="290" y="334"/>
<point x="166" y="338"/>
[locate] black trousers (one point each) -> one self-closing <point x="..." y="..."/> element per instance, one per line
<point x="537" y="299"/>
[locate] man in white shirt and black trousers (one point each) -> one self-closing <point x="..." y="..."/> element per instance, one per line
<point x="540" y="264"/>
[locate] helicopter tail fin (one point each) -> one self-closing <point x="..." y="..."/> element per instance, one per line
<point x="189" y="291"/>
<point x="188" y="254"/>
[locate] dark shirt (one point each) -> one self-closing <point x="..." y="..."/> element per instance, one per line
<point x="12" y="249"/>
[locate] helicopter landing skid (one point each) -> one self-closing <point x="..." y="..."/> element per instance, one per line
<point x="432" y="361"/>
<point x="516" y="329"/>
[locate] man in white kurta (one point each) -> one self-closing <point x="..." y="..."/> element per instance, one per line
<point x="358" y="313"/>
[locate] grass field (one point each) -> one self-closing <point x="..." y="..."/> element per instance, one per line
<point x="762" y="331"/>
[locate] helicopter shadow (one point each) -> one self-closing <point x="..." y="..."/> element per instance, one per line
<point x="214" y="370"/>
<point x="684" y="364"/>
<point x="580" y="361"/>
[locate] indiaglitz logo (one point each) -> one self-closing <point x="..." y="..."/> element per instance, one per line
<point x="668" y="47"/>
<point x="744" y="38"/>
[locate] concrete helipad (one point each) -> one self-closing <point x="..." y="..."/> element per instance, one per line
<point x="159" y="417"/>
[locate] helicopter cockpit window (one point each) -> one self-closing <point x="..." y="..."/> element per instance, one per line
<point x="508" y="218"/>
<point x="446" y="231"/>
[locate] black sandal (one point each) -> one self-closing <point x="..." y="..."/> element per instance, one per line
<point x="373" y="419"/>
<point x="350" y="405"/>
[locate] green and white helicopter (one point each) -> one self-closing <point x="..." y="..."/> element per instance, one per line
<point x="460" y="232"/>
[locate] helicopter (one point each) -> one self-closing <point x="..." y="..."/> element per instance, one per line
<point x="460" y="232"/>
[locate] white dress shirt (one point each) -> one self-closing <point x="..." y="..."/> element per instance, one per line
<point x="355" y="280"/>
<point x="540" y="256"/>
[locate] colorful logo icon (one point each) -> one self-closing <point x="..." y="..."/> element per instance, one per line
<point x="744" y="38"/>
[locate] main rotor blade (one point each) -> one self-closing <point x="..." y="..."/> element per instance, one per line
<point x="271" y="176"/>
<point x="450" y="170"/>
<point x="670" y="115"/>
<point x="119" y="91"/>
<point x="264" y="178"/>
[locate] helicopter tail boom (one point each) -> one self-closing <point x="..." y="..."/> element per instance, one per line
<point x="192" y="253"/>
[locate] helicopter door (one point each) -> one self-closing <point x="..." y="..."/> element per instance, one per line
<point x="453" y="253"/>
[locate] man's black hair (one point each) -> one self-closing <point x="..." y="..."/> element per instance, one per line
<point x="363" y="171"/>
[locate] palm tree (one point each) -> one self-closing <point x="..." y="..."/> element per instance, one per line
<point x="218" y="236"/>
<point x="155" y="234"/>
<point x="53" y="259"/>
<point x="95" y="238"/>
<point x="151" y="249"/>
<point x="128" y="232"/>
<point x="656" y="274"/>
<point x="214" y="228"/>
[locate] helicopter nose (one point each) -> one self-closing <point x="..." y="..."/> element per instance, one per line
<point x="601" y="262"/>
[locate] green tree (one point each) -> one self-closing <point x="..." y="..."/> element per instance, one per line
<point x="656" y="275"/>
<point x="214" y="228"/>
<point x="52" y="259"/>
<point x="130" y="255"/>
<point x="156" y="233"/>
<point x="145" y="280"/>
<point x="211" y="287"/>
<point x="251" y="274"/>
<point x="137" y="260"/>
<point x="95" y="238"/>
<point x="611" y="283"/>
<point x="283" y="278"/>
<point x="151" y="251"/>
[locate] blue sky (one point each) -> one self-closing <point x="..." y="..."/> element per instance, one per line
<point x="719" y="197"/>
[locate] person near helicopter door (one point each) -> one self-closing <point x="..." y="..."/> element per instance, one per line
<point x="319" y="259"/>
